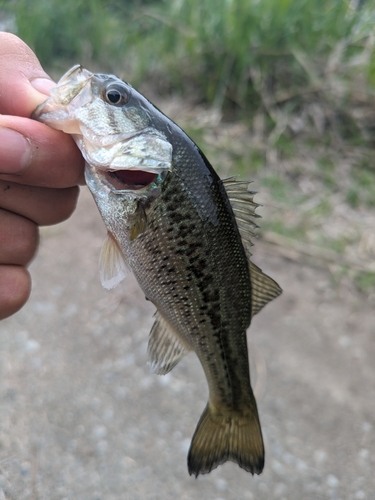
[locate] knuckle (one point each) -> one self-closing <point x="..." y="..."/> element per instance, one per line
<point x="15" y="287"/>
<point x="18" y="238"/>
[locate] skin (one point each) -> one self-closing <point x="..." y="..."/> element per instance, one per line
<point x="40" y="170"/>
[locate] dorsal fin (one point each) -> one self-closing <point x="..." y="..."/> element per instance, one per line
<point x="165" y="349"/>
<point x="112" y="265"/>
<point x="264" y="288"/>
<point x="244" y="206"/>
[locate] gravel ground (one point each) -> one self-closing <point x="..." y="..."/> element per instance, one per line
<point x="82" y="418"/>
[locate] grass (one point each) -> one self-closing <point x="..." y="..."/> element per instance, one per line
<point x="80" y="30"/>
<point x="290" y="85"/>
<point x="365" y="281"/>
<point x="305" y="64"/>
<point x="234" y="55"/>
<point x="363" y="180"/>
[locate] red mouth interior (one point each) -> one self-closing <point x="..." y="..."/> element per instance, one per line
<point x="131" y="179"/>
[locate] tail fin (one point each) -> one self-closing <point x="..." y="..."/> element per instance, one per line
<point x="218" y="438"/>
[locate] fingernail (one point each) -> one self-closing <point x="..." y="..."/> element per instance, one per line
<point x="15" y="151"/>
<point x="42" y="85"/>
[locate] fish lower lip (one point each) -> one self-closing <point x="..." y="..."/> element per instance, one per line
<point x="130" y="179"/>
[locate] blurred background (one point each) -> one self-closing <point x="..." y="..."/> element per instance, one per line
<point x="281" y="92"/>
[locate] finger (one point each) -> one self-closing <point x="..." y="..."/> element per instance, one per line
<point x="44" y="206"/>
<point x="21" y="76"/>
<point x="24" y="84"/>
<point x="32" y="153"/>
<point x="15" y="287"/>
<point x="18" y="239"/>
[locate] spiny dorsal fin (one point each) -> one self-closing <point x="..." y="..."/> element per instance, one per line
<point x="263" y="288"/>
<point x="244" y="206"/>
<point x="112" y="265"/>
<point x="165" y="349"/>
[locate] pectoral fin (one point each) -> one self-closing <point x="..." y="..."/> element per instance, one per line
<point x="112" y="265"/>
<point x="165" y="349"/>
<point x="138" y="222"/>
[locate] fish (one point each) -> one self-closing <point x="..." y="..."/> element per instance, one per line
<point x="185" y="234"/>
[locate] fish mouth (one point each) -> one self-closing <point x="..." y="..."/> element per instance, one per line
<point x="129" y="180"/>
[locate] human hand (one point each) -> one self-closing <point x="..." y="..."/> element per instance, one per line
<point x="40" y="169"/>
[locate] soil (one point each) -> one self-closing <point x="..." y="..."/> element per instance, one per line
<point x="82" y="418"/>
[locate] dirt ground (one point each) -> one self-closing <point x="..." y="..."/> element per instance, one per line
<point x="82" y="418"/>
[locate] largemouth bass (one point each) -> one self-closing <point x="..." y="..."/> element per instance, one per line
<point x="185" y="235"/>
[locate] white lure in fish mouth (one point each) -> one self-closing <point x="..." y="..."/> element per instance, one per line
<point x="112" y="130"/>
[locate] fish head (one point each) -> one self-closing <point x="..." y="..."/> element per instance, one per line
<point x="112" y="124"/>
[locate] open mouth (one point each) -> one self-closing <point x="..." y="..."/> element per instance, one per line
<point x="132" y="180"/>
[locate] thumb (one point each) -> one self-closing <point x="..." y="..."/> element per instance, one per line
<point x="23" y="82"/>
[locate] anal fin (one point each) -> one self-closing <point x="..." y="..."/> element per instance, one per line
<point x="165" y="348"/>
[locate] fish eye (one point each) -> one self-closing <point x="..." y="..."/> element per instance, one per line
<point x="116" y="95"/>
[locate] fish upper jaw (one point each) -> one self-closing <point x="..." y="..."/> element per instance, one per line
<point x="70" y="85"/>
<point x="71" y="93"/>
<point x="74" y="75"/>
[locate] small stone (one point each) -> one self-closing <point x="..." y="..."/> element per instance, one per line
<point x="221" y="484"/>
<point x="320" y="456"/>
<point x="366" y="427"/>
<point x="364" y="454"/>
<point x="102" y="446"/>
<point x="44" y="307"/>
<point x="99" y="432"/>
<point x="278" y="467"/>
<point x="280" y="490"/>
<point x="263" y="488"/>
<point x="25" y="468"/>
<point x="345" y="341"/>
<point x="108" y="415"/>
<point x="32" y="345"/>
<point x="72" y="445"/>
<point x="332" y="481"/>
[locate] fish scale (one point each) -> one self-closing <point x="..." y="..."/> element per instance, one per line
<point x="185" y="234"/>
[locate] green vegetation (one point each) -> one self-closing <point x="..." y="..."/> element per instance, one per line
<point x="363" y="178"/>
<point x="365" y="281"/>
<point x="290" y="82"/>
<point x="61" y="31"/>
<point x="244" y="54"/>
